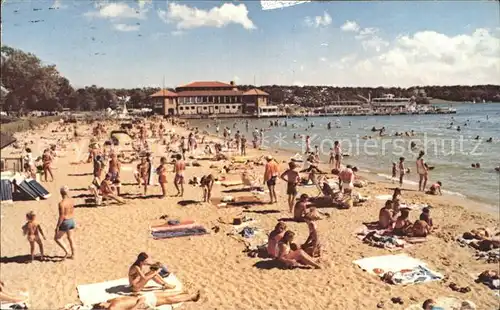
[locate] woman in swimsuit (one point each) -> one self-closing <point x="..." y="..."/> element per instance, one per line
<point x="312" y="245"/>
<point x="47" y="161"/>
<point x="402" y="223"/>
<point x="138" y="280"/>
<point x="422" y="171"/>
<point x="162" y="176"/>
<point x="293" y="258"/>
<point x="274" y="238"/>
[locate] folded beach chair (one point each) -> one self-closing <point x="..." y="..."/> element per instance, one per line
<point x="5" y="191"/>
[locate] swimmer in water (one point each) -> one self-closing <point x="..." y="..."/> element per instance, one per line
<point x="458" y="128"/>
<point x="489" y="140"/>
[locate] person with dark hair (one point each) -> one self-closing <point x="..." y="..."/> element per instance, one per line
<point x="292" y="179"/>
<point x="293" y="258"/>
<point x="138" y="280"/>
<point x="422" y="171"/>
<point x="274" y="238"/>
<point x="436" y="188"/>
<point x="207" y="182"/>
<point x="162" y="176"/>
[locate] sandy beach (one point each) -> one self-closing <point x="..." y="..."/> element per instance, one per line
<point x="109" y="238"/>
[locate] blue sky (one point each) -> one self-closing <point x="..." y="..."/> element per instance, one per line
<point x="142" y="43"/>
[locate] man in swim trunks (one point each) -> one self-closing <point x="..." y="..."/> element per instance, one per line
<point x="179" y="168"/>
<point x="65" y="223"/>
<point x="114" y="171"/>
<point x="292" y="179"/>
<point x="270" y="176"/>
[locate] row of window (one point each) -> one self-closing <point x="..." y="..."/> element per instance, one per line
<point x="210" y="99"/>
<point x="234" y="107"/>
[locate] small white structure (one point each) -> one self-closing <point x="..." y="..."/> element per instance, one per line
<point x="268" y="111"/>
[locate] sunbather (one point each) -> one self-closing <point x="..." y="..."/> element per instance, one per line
<point x="293" y="258"/>
<point x="419" y="229"/>
<point x="47" y="162"/>
<point x="274" y="238"/>
<point x="385" y="216"/>
<point x="401" y="225"/>
<point x="11" y="297"/>
<point x="149" y="300"/>
<point x="162" y="176"/>
<point x="426" y="216"/>
<point x="107" y="190"/>
<point x="312" y="245"/>
<point x="138" y="280"/>
<point x="300" y="208"/>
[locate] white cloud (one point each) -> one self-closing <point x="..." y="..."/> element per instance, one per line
<point x="144" y="3"/>
<point x="323" y="59"/>
<point x="186" y="17"/>
<point x="350" y="26"/>
<point x="126" y="28"/>
<point x="369" y="38"/>
<point x="117" y="10"/>
<point x="424" y="58"/>
<point x="318" y="21"/>
<point x="58" y="5"/>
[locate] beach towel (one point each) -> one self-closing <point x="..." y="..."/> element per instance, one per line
<point x="241" y="159"/>
<point x="447" y="303"/>
<point x="197" y="230"/>
<point x="406" y="269"/>
<point x="171" y="224"/>
<point x="174" y="227"/>
<point x="381" y="238"/>
<point x="95" y="293"/>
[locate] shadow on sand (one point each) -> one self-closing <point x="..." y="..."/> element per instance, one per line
<point x="275" y="264"/>
<point x="262" y="211"/>
<point x="25" y="259"/>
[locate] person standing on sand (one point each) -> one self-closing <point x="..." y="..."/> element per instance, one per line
<point x="270" y="175"/>
<point x="114" y="172"/>
<point x="179" y="168"/>
<point x="46" y="164"/>
<point x="65" y="223"/>
<point x="33" y="230"/>
<point x="162" y="176"/>
<point x="422" y="172"/>
<point x="243" y="146"/>
<point x="292" y="179"/>
<point x="337" y="154"/>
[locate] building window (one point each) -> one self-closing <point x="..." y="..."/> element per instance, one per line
<point x="227" y="107"/>
<point x="234" y="107"/>
<point x="204" y="108"/>
<point x="216" y="107"/>
<point x="181" y="108"/>
<point x="206" y="99"/>
<point x="192" y="108"/>
<point x="210" y="99"/>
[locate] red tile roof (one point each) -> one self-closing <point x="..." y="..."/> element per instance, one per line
<point x="201" y="93"/>
<point x="206" y="84"/>
<point x="164" y="93"/>
<point x="255" y="91"/>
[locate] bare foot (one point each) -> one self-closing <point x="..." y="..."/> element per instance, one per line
<point x="196" y="297"/>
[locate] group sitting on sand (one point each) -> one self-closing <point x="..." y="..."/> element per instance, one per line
<point x="396" y="219"/>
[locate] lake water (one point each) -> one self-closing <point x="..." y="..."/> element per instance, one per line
<point x="451" y="152"/>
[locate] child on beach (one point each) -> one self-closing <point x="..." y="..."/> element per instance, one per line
<point x="436" y="189"/>
<point x="401" y="170"/>
<point x="33" y="230"/>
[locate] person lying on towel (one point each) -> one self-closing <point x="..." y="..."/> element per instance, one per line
<point x="149" y="300"/>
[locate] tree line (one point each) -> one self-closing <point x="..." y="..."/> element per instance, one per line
<point x="31" y="85"/>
